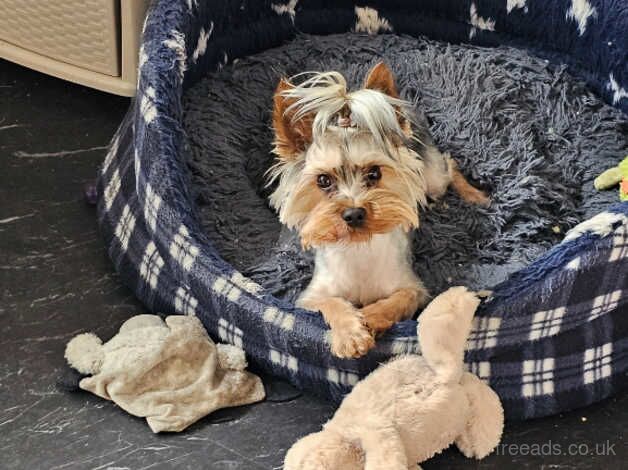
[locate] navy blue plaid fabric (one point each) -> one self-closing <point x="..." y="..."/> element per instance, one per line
<point x="552" y="337"/>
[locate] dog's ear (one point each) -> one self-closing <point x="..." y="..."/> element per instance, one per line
<point x="381" y="78"/>
<point x="292" y="136"/>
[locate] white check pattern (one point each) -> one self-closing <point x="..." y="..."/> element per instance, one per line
<point x="184" y="302"/>
<point x="284" y="360"/>
<point x="342" y="377"/>
<point x="137" y="165"/>
<point x="620" y="244"/>
<point x="112" y="189"/>
<point x="223" y="287"/>
<point x="538" y="377"/>
<point x="182" y="250"/>
<point x="125" y="227"/>
<point x="574" y="264"/>
<point x="404" y="345"/>
<point x="151" y="207"/>
<point x="597" y="363"/>
<point x="605" y="303"/>
<point x="147" y="105"/>
<point x="111" y="154"/>
<point x="245" y="283"/>
<point x="484" y="333"/>
<point x="151" y="265"/>
<point x="283" y="320"/>
<point x="546" y="323"/>
<point x="229" y="333"/>
<point x="482" y="369"/>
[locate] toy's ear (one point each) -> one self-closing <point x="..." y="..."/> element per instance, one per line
<point x="485" y="422"/>
<point x="84" y="353"/>
<point x="292" y="136"/>
<point x="443" y="330"/>
<point x="381" y="78"/>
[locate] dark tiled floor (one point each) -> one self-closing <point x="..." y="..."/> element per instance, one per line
<point x="56" y="281"/>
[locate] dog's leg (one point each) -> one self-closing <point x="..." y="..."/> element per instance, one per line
<point x="441" y="171"/>
<point x="464" y="189"/>
<point x="349" y="335"/>
<point x="401" y="305"/>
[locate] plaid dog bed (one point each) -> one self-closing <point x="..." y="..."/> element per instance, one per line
<point x="554" y="336"/>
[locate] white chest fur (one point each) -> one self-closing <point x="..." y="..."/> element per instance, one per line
<point x="363" y="272"/>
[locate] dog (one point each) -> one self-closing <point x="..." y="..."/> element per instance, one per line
<point x="350" y="176"/>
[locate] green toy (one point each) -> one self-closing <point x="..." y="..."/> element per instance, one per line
<point x="612" y="177"/>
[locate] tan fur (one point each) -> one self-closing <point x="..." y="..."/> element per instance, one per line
<point x="464" y="189"/>
<point x="381" y="78"/>
<point x="300" y="207"/>
<point x="413" y="407"/>
<point x="322" y="129"/>
<point x="385" y="211"/>
<point x="401" y="305"/>
<point x="349" y="335"/>
<point x="292" y="136"/>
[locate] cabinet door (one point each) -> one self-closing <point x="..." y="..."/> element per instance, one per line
<point x="84" y="33"/>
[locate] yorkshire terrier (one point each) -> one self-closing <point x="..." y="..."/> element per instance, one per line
<point x="351" y="175"/>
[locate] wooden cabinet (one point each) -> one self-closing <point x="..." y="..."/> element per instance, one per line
<point x="91" y="42"/>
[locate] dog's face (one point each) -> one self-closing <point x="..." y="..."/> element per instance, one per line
<point x="344" y="170"/>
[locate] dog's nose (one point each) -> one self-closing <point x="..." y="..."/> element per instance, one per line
<point x="354" y="216"/>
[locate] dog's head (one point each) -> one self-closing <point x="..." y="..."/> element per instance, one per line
<point x="344" y="169"/>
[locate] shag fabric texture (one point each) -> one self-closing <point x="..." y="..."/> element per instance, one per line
<point x="527" y="132"/>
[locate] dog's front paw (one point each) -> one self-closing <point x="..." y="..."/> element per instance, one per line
<point x="375" y="319"/>
<point x="352" y="339"/>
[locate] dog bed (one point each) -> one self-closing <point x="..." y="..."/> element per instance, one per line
<point x="553" y="335"/>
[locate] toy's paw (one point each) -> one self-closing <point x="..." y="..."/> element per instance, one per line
<point x="85" y="354"/>
<point x="352" y="338"/>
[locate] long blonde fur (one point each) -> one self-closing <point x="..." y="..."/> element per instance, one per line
<point x="325" y="95"/>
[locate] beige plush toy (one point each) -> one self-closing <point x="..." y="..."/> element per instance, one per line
<point x="169" y="372"/>
<point x="412" y="407"/>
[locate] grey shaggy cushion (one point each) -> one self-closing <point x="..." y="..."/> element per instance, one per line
<point x="526" y="132"/>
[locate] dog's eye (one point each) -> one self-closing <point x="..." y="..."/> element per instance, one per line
<point x="324" y="181"/>
<point x="373" y="175"/>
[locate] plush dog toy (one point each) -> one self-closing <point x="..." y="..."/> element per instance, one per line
<point x="412" y="407"/>
<point x="169" y="372"/>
